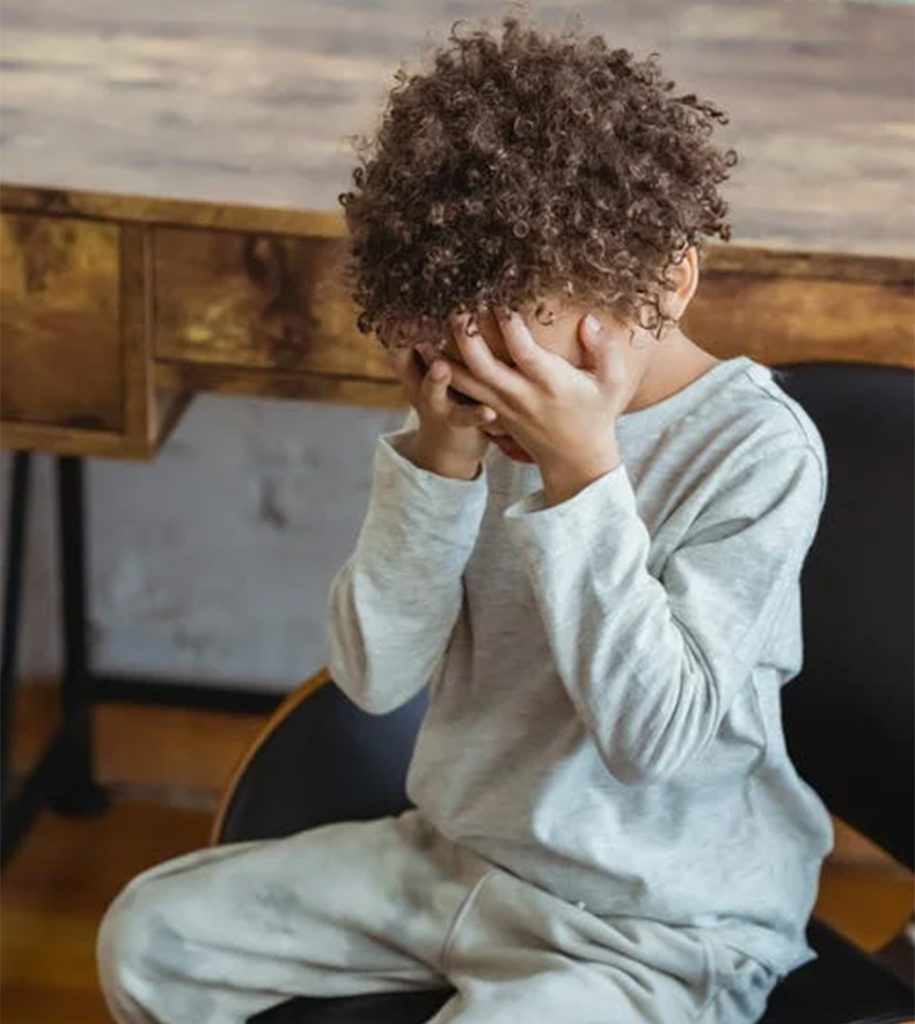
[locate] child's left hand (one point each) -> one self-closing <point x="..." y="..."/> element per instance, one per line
<point x="562" y="415"/>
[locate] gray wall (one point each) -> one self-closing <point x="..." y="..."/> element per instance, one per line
<point x="212" y="562"/>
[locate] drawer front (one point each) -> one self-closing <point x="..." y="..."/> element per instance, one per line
<point x="61" y="359"/>
<point x="258" y="301"/>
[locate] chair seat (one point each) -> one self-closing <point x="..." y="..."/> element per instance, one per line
<point x="842" y="986"/>
<point x="393" y="1008"/>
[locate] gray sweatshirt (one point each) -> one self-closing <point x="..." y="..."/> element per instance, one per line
<point x="604" y="716"/>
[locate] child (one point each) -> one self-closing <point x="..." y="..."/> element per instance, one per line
<point x="588" y="544"/>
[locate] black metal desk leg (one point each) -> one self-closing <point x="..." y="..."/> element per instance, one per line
<point x="15" y="557"/>
<point x="79" y="794"/>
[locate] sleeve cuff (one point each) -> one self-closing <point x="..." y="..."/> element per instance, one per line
<point x="588" y="505"/>
<point x="421" y="501"/>
<point x="572" y="533"/>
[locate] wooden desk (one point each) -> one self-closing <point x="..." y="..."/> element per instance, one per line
<point x="115" y="310"/>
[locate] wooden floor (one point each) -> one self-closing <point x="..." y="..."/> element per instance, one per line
<point x="166" y="768"/>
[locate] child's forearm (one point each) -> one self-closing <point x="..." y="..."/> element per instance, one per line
<point x="653" y="660"/>
<point x="392" y="606"/>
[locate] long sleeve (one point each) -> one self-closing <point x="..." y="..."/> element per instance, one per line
<point x="652" y="665"/>
<point x="393" y="604"/>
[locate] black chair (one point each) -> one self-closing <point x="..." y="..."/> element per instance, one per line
<point x="848" y="716"/>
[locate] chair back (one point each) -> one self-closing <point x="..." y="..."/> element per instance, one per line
<point x="323" y="760"/>
<point x="849" y="715"/>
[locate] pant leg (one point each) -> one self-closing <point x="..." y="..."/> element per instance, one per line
<point x="517" y="954"/>
<point x="219" y="934"/>
<point x="743" y="990"/>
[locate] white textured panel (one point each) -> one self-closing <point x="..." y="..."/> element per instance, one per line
<point x="212" y="563"/>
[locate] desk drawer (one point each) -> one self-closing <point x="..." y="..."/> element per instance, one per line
<point x="75" y="369"/>
<point x="61" y="359"/>
<point x="258" y="301"/>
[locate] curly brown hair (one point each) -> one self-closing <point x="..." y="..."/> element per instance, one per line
<point x="547" y="165"/>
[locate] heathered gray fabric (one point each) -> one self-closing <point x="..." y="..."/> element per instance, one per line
<point x="604" y="674"/>
<point x="217" y="935"/>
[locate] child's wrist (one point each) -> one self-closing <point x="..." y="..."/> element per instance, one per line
<point x="431" y="457"/>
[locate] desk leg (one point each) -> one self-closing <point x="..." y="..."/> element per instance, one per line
<point x="80" y="794"/>
<point x="12" y="594"/>
<point x="63" y="774"/>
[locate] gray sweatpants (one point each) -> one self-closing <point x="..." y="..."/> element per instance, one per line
<point x="219" y="934"/>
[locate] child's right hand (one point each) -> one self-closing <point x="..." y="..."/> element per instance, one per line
<point x="449" y="439"/>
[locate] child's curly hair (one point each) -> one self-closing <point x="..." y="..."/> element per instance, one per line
<point x="541" y="166"/>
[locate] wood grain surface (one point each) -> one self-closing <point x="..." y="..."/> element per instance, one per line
<point x="116" y="309"/>
<point x="59" y="290"/>
<point x="239" y="102"/>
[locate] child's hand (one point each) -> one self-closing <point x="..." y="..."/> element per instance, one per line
<point x="563" y="415"/>
<point x="449" y="439"/>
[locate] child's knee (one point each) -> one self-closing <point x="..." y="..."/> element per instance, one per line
<point x="125" y="939"/>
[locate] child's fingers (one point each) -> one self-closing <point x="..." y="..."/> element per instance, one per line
<point x="410" y="370"/>
<point x="465" y="416"/>
<point x="426" y="389"/>
<point x="435" y="388"/>
<point x="457" y="415"/>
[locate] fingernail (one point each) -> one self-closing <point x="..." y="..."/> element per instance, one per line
<point x="438" y="371"/>
<point x="592" y="323"/>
